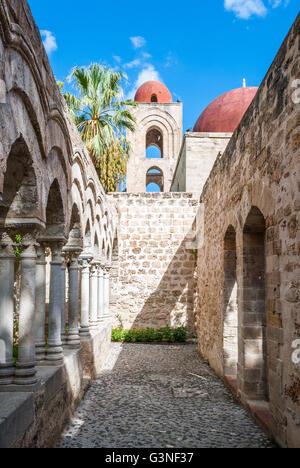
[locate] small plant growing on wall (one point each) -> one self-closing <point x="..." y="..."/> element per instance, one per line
<point x="18" y="248"/>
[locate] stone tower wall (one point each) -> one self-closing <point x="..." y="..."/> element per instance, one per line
<point x="167" y="118"/>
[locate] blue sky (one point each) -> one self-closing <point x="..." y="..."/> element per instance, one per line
<point x="198" y="49"/>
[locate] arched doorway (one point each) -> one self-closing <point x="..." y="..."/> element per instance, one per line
<point x="254" y="330"/>
<point x="230" y="324"/>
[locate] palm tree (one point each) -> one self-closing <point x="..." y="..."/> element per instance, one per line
<point x="102" y="116"/>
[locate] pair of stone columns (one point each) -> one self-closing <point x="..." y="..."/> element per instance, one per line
<point x="24" y="372"/>
<point x="94" y="294"/>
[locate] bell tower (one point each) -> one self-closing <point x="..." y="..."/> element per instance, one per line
<point x="156" y="141"/>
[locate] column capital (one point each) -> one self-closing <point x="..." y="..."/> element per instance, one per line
<point x="74" y="258"/>
<point x="94" y="268"/>
<point x="85" y="259"/>
<point x="107" y="269"/>
<point x="6" y="245"/>
<point x="28" y="244"/>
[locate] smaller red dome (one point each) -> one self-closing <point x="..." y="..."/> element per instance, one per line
<point x="153" y="91"/>
<point x="225" y="113"/>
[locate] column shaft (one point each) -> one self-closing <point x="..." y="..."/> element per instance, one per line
<point x="85" y="296"/>
<point x="7" y="259"/>
<point x="40" y="304"/>
<point x="25" y="372"/>
<point x="73" y="335"/>
<point x="55" y="350"/>
<point x="106" y="292"/>
<point x="100" y="311"/>
<point x="63" y="302"/>
<point x="93" y="297"/>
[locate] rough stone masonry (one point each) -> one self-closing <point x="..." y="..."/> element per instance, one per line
<point x="154" y="282"/>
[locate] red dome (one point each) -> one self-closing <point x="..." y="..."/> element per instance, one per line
<point x="225" y="113"/>
<point x="153" y="91"/>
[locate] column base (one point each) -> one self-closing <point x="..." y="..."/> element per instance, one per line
<point x="40" y="352"/>
<point x="84" y="332"/>
<point x="7" y="372"/>
<point x="25" y="374"/>
<point x="73" y="339"/>
<point x="55" y="355"/>
<point x="93" y="325"/>
<point x="64" y="339"/>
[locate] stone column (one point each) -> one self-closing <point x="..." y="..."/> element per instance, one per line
<point x="85" y="260"/>
<point x="25" y="371"/>
<point x="55" y="350"/>
<point x="40" y="304"/>
<point x="63" y="300"/>
<point x="100" y="310"/>
<point x="93" y="296"/>
<point x="73" y="336"/>
<point x="7" y="260"/>
<point x="106" y="275"/>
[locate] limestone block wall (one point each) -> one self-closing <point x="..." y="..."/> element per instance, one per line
<point x="197" y="156"/>
<point x="154" y="286"/>
<point x="252" y="208"/>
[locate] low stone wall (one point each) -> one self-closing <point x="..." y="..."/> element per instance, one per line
<point x="248" y="268"/>
<point x="36" y="420"/>
<point x="154" y="266"/>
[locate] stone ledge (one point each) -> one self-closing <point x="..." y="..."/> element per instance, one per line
<point x="16" y="415"/>
<point x="36" y="418"/>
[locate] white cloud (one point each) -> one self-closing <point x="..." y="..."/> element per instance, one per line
<point x="49" y="41"/>
<point x="138" y="42"/>
<point x="246" y="8"/>
<point x="117" y="58"/>
<point x="135" y="63"/>
<point x="148" y="73"/>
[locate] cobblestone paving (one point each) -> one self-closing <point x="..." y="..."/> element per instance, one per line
<point x="147" y="396"/>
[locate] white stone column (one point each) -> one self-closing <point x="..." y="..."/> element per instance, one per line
<point x="73" y="335"/>
<point x="40" y="304"/>
<point x="106" y="292"/>
<point x="63" y="300"/>
<point x="7" y="260"/>
<point x="100" y="306"/>
<point x="85" y="260"/>
<point x="25" y="368"/>
<point x="55" y="350"/>
<point x="93" y="296"/>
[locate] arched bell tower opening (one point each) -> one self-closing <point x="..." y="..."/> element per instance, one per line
<point x="154" y="180"/>
<point x="157" y="135"/>
<point x="154" y="144"/>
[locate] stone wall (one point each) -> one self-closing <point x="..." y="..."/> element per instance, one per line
<point x="252" y="216"/>
<point x="196" y="159"/>
<point x="154" y="286"/>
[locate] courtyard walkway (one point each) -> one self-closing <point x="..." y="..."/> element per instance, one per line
<point x="160" y="397"/>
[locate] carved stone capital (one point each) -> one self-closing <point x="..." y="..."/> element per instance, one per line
<point x="6" y="246"/>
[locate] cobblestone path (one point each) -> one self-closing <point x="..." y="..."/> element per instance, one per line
<point x="160" y="397"/>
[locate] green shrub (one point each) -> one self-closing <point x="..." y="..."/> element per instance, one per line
<point x="149" y="335"/>
<point x="180" y="334"/>
<point x="117" y="334"/>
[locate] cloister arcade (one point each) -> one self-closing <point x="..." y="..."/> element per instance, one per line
<point x="56" y="226"/>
